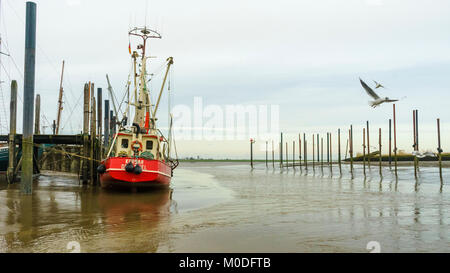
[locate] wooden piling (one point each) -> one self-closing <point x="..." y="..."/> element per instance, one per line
<point x="368" y="145"/>
<point x="300" y="151"/>
<point x="305" y="151"/>
<point x="379" y="148"/>
<point x="107" y="123"/>
<point x="251" y="153"/>
<point x="364" y="151"/>
<point x="350" y="145"/>
<point x="93" y="136"/>
<point x="339" y="151"/>
<point x="417" y="136"/>
<point x="37" y="115"/>
<point x="439" y="147"/>
<point x="85" y="165"/>
<point x="318" y="149"/>
<point x="314" y="151"/>
<point x="287" y="159"/>
<point x="12" y="133"/>
<point x="321" y="158"/>
<point x="100" y="121"/>
<point x="395" y="141"/>
<point x="293" y="154"/>
<point x="414" y="143"/>
<point x="26" y="184"/>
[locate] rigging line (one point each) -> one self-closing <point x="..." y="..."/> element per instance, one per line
<point x="70" y="115"/>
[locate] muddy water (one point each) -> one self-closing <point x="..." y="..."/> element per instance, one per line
<point x="218" y="207"/>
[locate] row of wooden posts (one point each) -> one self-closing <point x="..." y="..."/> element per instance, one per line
<point x="318" y="142"/>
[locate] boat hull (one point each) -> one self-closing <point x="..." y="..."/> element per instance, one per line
<point x="155" y="174"/>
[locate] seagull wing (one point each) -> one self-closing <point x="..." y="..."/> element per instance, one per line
<point x="369" y="90"/>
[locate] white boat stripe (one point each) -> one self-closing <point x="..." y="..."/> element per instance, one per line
<point x="147" y="171"/>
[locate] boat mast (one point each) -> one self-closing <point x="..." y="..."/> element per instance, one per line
<point x="142" y="103"/>
<point x="60" y="102"/>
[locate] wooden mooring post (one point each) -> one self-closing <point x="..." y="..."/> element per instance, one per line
<point x="85" y="166"/>
<point x="350" y="147"/>
<point x="414" y="143"/>
<point x="305" y="151"/>
<point x="10" y="174"/>
<point x="331" y="154"/>
<point x="287" y="159"/>
<point x="368" y="145"/>
<point x="364" y="151"/>
<point x="99" y="122"/>
<point x="339" y="151"/>
<point x="281" y="151"/>
<point x="251" y="152"/>
<point x="26" y="183"/>
<point x="300" y="152"/>
<point x="314" y="151"/>
<point x="395" y="141"/>
<point x="107" y="123"/>
<point x="293" y="154"/>
<point x="379" y="148"/>
<point x="439" y="149"/>
<point x="321" y="158"/>
<point x="93" y="137"/>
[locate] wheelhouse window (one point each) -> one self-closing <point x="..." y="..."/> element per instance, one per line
<point x="124" y="143"/>
<point x="149" y="145"/>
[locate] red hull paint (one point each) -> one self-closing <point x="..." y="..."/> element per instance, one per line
<point x="155" y="173"/>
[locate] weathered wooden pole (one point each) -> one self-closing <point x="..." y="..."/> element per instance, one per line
<point x="339" y="151"/>
<point x="107" y="123"/>
<point x="26" y="184"/>
<point x="390" y="143"/>
<point x="379" y="148"/>
<point x="321" y="158"/>
<point x="417" y="136"/>
<point x="305" y="151"/>
<point x="293" y="154"/>
<point x="85" y="134"/>
<point x="93" y="136"/>
<point x="37" y="115"/>
<point x="395" y="141"/>
<point x="414" y="143"/>
<point x="350" y="145"/>
<point x="37" y="122"/>
<point x="100" y="121"/>
<point x="251" y="153"/>
<point x="300" y="151"/>
<point x="318" y="149"/>
<point x="287" y="159"/>
<point x="364" y="151"/>
<point x="12" y="133"/>
<point x="439" y="149"/>
<point x="368" y="145"/>
<point x="314" y="151"/>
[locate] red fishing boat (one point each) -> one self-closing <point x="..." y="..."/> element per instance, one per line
<point x="140" y="155"/>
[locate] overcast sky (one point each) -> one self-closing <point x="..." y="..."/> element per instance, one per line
<point x="305" y="56"/>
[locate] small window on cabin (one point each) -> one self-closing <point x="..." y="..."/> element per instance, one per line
<point x="125" y="143"/>
<point x="149" y="145"/>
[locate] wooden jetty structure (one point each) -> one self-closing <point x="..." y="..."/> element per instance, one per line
<point x="79" y="153"/>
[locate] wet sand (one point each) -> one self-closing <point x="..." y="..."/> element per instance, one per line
<point x="226" y="207"/>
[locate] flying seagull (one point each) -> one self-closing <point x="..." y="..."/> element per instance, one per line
<point x="377" y="100"/>
<point x="378" y="85"/>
